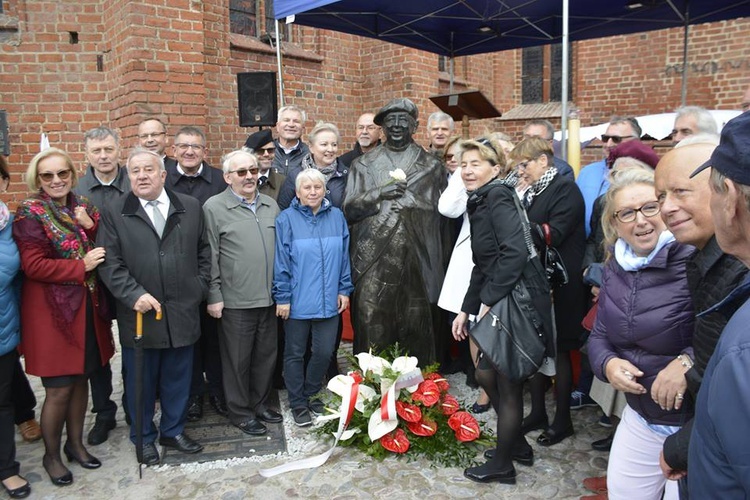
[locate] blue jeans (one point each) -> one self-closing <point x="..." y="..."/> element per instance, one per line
<point x="301" y="384"/>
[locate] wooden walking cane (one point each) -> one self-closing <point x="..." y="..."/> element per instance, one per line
<point x="139" y="389"/>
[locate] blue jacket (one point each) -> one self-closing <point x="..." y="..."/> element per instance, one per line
<point x="10" y="263"/>
<point x="311" y="267"/>
<point x="593" y="182"/>
<point x="718" y="458"/>
<point x="645" y="317"/>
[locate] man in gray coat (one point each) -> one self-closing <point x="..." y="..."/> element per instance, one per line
<point x="157" y="262"/>
<point x="240" y="228"/>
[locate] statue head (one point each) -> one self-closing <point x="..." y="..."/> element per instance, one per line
<point x="398" y="119"/>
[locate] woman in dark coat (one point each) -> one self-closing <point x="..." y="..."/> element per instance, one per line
<point x="555" y="202"/>
<point x="500" y="256"/>
<point x="66" y="326"/>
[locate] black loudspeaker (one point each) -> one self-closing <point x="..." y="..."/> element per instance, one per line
<point x="256" y="94"/>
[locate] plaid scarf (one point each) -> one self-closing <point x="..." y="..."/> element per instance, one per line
<point x="539" y="186"/>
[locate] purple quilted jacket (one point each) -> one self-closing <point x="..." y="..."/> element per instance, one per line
<point x="645" y="317"/>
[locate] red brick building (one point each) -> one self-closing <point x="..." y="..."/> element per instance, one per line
<point x="70" y="65"/>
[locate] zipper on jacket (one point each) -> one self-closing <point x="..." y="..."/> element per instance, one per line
<point x="262" y="242"/>
<point x="322" y="261"/>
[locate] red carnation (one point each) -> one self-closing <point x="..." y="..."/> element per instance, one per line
<point x="464" y="425"/>
<point x="449" y="405"/>
<point x="408" y="412"/>
<point x="396" y="441"/>
<point x="440" y="380"/>
<point x="428" y="393"/>
<point x="357" y="376"/>
<point x="423" y="428"/>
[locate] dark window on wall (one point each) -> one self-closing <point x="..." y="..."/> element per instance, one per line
<point x="442" y="63"/>
<point x="541" y="78"/>
<point x="270" y="25"/>
<point x="242" y="17"/>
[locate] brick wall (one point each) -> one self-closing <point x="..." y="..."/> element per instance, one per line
<point x="175" y="59"/>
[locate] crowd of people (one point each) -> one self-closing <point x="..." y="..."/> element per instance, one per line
<point x="239" y="276"/>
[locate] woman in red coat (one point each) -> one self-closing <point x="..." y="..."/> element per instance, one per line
<point x="66" y="329"/>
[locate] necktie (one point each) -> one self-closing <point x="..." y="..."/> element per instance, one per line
<point x="262" y="180"/>
<point x="158" y="218"/>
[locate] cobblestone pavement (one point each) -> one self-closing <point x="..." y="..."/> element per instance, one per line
<point x="557" y="473"/>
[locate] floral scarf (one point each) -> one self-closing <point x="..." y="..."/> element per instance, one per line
<point x="539" y="186"/>
<point x="4" y="215"/>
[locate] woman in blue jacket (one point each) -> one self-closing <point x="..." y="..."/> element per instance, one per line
<point x="10" y="263"/>
<point x="644" y="322"/>
<point x="311" y="287"/>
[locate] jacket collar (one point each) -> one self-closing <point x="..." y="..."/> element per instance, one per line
<point x="208" y="174"/>
<point x="231" y="200"/>
<point x="306" y="211"/>
<point x="132" y="205"/>
<point x="739" y="295"/>
<point x="91" y="181"/>
<point x="705" y="259"/>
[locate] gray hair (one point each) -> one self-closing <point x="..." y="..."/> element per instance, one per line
<point x="100" y="133"/>
<point x="702" y="138"/>
<point x="191" y="130"/>
<point x="632" y="121"/>
<point x="323" y="127"/>
<point x="141" y="152"/>
<point x="542" y="123"/>
<point x="704" y="120"/>
<point x="716" y="181"/>
<point x="439" y="116"/>
<point x="229" y="159"/>
<point x="309" y="174"/>
<point x="294" y="108"/>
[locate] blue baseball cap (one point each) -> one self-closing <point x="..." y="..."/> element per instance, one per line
<point x="732" y="156"/>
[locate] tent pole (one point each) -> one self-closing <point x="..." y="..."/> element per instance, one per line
<point x="565" y="71"/>
<point x="278" y="62"/>
<point x="450" y="87"/>
<point x="685" y="56"/>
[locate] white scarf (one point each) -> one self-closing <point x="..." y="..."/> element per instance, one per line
<point x="629" y="261"/>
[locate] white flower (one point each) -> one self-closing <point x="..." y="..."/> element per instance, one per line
<point x="370" y="363"/>
<point x="398" y="175"/>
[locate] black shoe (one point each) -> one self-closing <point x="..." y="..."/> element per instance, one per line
<point x="219" y="405"/>
<point x="524" y="457"/>
<point x="485" y="474"/>
<point x="535" y="425"/>
<point x="181" y="443"/>
<point x="195" y="409"/>
<point x="64" y="480"/>
<point x="100" y="431"/>
<point x="20" y="492"/>
<point x="252" y="427"/>
<point x="317" y="407"/>
<point x="150" y="455"/>
<point x="91" y="463"/>
<point x="604" y="444"/>
<point x="269" y="417"/>
<point x="127" y="419"/>
<point x="477" y="408"/>
<point x="301" y="417"/>
<point x="551" y="436"/>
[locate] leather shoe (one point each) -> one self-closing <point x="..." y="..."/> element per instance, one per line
<point x="30" y="431"/>
<point x="91" y="463"/>
<point x="535" y="425"/>
<point x="252" y="427"/>
<point x="523" y="457"/>
<point x="551" y="436"/>
<point x="150" y="454"/>
<point x="181" y="443"/>
<point x="270" y="417"/>
<point x="195" y="409"/>
<point x="64" y="480"/>
<point x="100" y="432"/>
<point x="478" y="408"/>
<point x="604" y="444"/>
<point x="20" y="492"/>
<point x="219" y="405"/>
<point x="596" y="484"/>
<point x="485" y="474"/>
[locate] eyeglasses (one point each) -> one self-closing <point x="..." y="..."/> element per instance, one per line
<point x="266" y="151"/>
<point x="63" y="175"/>
<point x="524" y="164"/>
<point x="617" y="139"/>
<point x="184" y="147"/>
<point x="152" y="134"/>
<point x="648" y="210"/>
<point x="242" y="172"/>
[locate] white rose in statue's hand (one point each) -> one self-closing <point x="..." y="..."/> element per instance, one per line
<point x="397" y="175"/>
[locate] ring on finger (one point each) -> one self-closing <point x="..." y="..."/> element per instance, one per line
<point x="679" y="396"/>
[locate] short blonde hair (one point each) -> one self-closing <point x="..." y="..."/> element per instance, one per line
<point x="532" y="148"/>
<point x="623" y="179"/>
<point x="32" y="173"/>
<point x="323" y="127"/>
<point x="489" y="150"/>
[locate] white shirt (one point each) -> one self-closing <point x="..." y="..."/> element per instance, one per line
<point x="163" y="206"/>
<point x="182" y="172"/>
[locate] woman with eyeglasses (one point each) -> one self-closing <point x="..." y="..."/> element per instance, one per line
<point x="644" y="322"/>
<point x="500" y="256"/>
<point x="324" y="142"/>
<point x="555" y="206"/>
<point x="64" y="317"/>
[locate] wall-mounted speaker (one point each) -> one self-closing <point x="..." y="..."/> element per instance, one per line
<point x="256" y="95"/>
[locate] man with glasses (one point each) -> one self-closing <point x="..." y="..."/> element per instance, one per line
<point x="240" y="228"/>
<point x="105" y="181"/>
<point x="152" y="135"/>
<point x="190" y="174"/>
<point x="368" y="138"/>
<point x="261" y="144"/>
<point x="545" y="130"/>
<point x="593" y="179"/>
<point x="289" y="147"/>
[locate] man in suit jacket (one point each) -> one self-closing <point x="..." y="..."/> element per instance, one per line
<point x="157" y="261"/>
<point x="269" y="180"/>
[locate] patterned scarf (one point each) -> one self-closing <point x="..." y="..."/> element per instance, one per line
<point x="539" y="186"/>
<point x="308" y="162"/>
<point x="4" y="215"/>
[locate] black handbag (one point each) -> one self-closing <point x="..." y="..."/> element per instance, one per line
<point x="512" y="335"/>
<point x="557" y="274"/>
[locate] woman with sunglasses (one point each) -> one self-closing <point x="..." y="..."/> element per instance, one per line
<point x="556" y="207"/>
<point x="644" y="322"/>
<point x="64" y="318"/>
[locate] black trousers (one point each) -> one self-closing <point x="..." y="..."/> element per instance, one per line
<point x="207" y="358"/>
<point x="21" y="395"/>
<point x="101" y="394"/>
<point x="8" y="465"/>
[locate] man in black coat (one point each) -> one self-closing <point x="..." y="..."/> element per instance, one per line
<point x="190" y="174"/>
<point x="157" y="261"/>
<point x="368" y="138"/>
